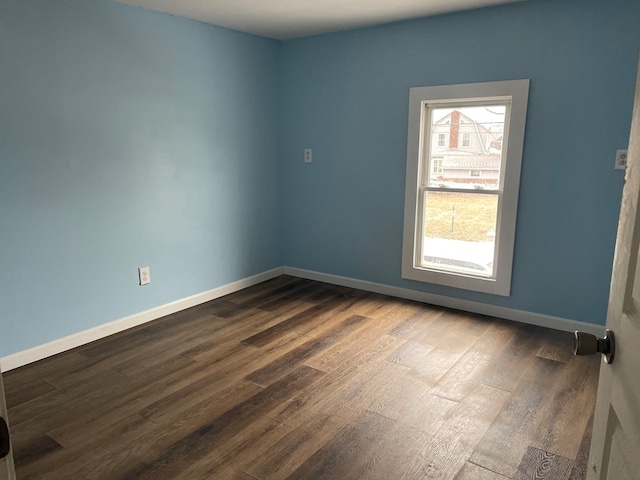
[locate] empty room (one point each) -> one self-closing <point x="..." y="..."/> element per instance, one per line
<point x="319" y="240"/>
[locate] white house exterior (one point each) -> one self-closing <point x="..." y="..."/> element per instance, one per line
<point x="464" y="150"/>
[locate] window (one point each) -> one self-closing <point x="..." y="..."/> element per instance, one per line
<point x="441" y="139"/>
<point x="458" y="232"/>
<point x="436" y="164"/>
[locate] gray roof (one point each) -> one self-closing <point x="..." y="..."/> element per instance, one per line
<point x="487" y="162"/>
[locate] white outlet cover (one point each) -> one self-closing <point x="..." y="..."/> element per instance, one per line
<point x="144" y="275"/>
<point x="621" y="159"/>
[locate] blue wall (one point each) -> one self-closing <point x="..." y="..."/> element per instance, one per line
<point x="132" y="138"/>
<point x="347" y="98"/>
<point x="128" y="138"/>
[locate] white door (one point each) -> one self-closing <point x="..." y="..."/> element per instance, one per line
<point x="615" y="445"/>
<point x="6" y="464"/>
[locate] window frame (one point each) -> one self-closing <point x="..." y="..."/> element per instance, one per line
<point x="466" y="139"/>
<point x="516" y="93"/>
<point x="442" y="140"/>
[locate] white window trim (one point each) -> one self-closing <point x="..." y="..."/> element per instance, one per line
<point x="517" y="91"/>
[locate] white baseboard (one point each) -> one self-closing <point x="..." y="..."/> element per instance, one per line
<point x="506" y="313"/>
<point x="72" y="341"/>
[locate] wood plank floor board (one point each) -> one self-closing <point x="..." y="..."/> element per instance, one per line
<point x="466" y="374"/>
<point x="316" y="420"/>
<point x="557" y="346"/>
<point x="371" y="447"/>
<point x="414" y="326"/>
<point x="452" y="444"/>
<point x="290" y="324"/>
<point x="541" y="465"/>
<point x="173" y="345"/>
<point x="510" y="365"/>
<point x="345" y="449"/>
<point x="476" y="324"/>
<point x="261" y="290"/>
<point x="195" y="445"/>
<point x="236" y="366"/>
<point x="452" y="346"/>
<point x="35" y="449"/>
<point x="269" y="295"/>
<point x="157" y="454"/>
<point x="129" y="342"/>
<point x="111" y="390"/>
<point x="215" y="348"/>
<point x="27" y="391"/>
<point x="240" y="476"/>
<point x="227" y="459"/>
<point x="191" y="408"/>
<point x="149" y="396"/>
<point x="563" y="424"/>
<point x="438" y="333"/>
<point x="408" y="401"/>
<point x="277" y="368"/>
<point x="305" y="294"/>
<point x="389" y="457"/>
<point x="471" y="471"/>
<point x="23" y="378"/>
<point x="293" y="378"/>
<point x="76" y="407"/>
<point x="131" y="355"/>
<point x="507" y="440"/>
<point x="346" y="388"/>
<point x="292" y="450"/>
<point x="83" y="444"/>
<point x="101" y="429"/>
<point x="149" y="363"/>
<point x="65" y="400"/>
<point x="410" y="354"/>
<point x="341" y="353"/>
<point x="581" y="462"/>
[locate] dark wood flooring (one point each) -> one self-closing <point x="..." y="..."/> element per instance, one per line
<point x="294" y="379"/>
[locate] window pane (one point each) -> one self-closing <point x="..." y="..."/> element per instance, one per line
<point x="459" y="232"/>
<point x="474" y="145"/>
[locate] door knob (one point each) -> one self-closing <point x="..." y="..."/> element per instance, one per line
<point x="5" y="443"/>
<point x="587" y="344"/>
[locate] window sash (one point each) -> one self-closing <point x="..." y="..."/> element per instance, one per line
<point x="419" y="234"/>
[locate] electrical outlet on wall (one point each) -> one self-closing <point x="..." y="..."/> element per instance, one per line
<point x="621" y="159"/>
<point x="144" y="275"/>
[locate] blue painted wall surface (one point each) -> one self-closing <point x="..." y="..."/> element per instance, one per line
<point x="346" y="96"/>
<point x="128" y="138"/>
<point x="132" y="138"/>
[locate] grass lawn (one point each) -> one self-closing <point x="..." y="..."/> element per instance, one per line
<point x="474" y="221"/>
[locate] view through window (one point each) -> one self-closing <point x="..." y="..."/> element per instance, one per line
<point x="461" y="194"/>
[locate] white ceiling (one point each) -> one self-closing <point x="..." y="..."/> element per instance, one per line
<point x="285" y="19"/>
